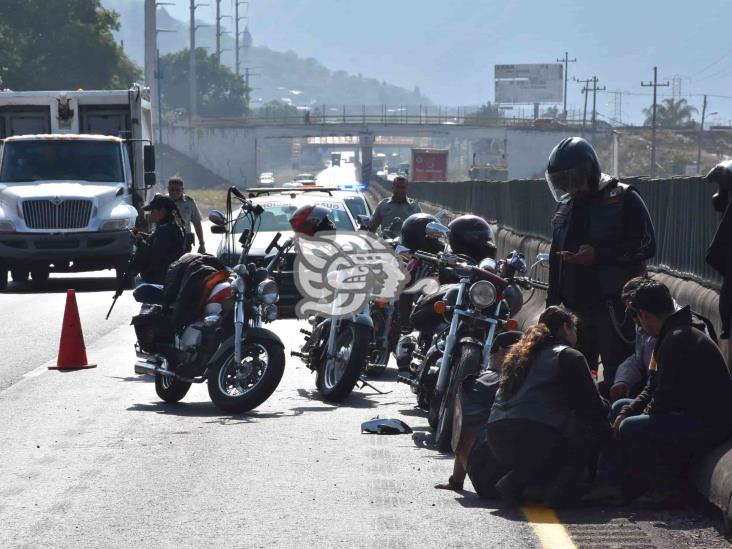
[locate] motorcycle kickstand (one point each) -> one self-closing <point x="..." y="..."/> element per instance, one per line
<point x="365" y="383"/>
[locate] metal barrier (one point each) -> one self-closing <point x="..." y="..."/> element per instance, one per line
<point x="680" y="207"/>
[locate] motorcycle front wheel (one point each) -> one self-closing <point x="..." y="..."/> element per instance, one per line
<point x="171" y="389"/>
<point x="238" y="388"/>
<point x="337" y="375"/>
<point x="468" y="363"/>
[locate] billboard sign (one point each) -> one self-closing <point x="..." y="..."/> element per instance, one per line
<point x="529" y="83"/>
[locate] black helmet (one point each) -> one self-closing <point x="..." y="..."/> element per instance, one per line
<point x="721" y="175"/>
<point x="310" y="219"/>
<point x="472" y="236"/>
<point x="572" y="163"/>
<point x="414" y="237"/>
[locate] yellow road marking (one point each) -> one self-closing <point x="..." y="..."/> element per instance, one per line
<point x="546" y="525"/>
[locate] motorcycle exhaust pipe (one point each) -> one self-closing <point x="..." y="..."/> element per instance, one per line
<point x="146" y="367"/>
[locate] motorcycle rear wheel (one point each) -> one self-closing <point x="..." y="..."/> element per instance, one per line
<point x="469" y="363"/>
<point x="170" y="389"/>
<point x="338" y="376"/>
<point x="238" y="390"/>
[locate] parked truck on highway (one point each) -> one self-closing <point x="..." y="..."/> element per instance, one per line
<point x="75" y="169"/>
<point x="429" y="165"/>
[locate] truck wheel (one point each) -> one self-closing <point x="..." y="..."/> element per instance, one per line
<point x="3" y="279"/>
<point x="40" y="276"/>
<point x="19" y="275"/>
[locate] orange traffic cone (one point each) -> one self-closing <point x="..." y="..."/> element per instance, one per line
<point x="71" y="351"/>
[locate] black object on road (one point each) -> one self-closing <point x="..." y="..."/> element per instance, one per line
<point x="378" y="426"/>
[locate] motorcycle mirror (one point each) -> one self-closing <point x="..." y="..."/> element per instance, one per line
<point x="217" y="218"/>
<point x="542" y="260"/>
<point x="437" y="230"/>
<point x="364" y="221"/>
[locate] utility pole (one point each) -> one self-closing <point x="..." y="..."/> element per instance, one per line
<point x="595" y="89"/>
<point x="218" y="31"/>
<point x="566" y="62"/>
<point x="192" y="84"/>
<point x="584" y="91"/>
<point x="237" y="3"/>
<point x="699" y="142"/>
<point x="655" y="85"/>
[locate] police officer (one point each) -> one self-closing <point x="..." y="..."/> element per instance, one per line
<point x="188" y="212"/>
<point x="157" y="250"/>
<point x="602" y="237"/>
<point x="398" y="205"/>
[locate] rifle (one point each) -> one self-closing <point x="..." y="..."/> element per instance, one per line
<point x="121" y="286"/>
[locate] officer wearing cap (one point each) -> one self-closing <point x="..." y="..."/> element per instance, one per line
<point x="157" y="250"/>
<point x="397" y="205"/>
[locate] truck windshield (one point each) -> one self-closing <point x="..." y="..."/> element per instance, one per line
<point x="55" y="160"/>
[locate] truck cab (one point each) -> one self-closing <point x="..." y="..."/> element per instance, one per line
<point x="75" y="169"/>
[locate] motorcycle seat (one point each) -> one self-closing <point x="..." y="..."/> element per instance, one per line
<point x="149" y="293"/>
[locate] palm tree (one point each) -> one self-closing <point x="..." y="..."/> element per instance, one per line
<point x="670" y="113"/>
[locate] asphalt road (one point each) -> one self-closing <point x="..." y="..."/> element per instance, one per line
<point x="93" y="459"/>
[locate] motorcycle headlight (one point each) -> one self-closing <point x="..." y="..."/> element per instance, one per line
<point x="115" y="225"/>
<point x="483" y="294"/>
<point x="267" y="292"/>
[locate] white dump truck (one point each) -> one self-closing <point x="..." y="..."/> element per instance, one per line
<point x="75" y="169"/>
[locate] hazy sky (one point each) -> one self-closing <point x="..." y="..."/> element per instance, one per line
<point x="449" y="47"/>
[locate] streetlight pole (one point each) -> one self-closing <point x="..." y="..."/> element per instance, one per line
<point x="701" y="133"/>
<point x="192" y="88"/>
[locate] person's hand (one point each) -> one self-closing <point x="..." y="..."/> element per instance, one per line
<point x="201" y="248"/>
<point x="619" y="390"/>
<point x="616" y="425"/>
<point x="585" y="256"/>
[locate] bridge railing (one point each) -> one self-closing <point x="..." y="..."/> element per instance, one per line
<point x="680" y="207"/>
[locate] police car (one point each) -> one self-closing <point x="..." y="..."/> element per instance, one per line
<point x="279" y="204"/>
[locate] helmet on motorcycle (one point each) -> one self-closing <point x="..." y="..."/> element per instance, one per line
<point x="310" y="219"/>
<point x="573" y="165"/>
<point x="414" y="236"/>
<point x="471" y="235"/>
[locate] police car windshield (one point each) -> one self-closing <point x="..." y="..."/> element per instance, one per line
<point x="276" y="217"/>
<point x="357" y="206"/>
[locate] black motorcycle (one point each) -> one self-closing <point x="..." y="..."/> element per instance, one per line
<point x="224" y="342"/>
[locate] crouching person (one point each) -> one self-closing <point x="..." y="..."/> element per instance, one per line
<point x="685" y="407"/>
<point x="548" y="423"/>
<point x="474" y="407"/>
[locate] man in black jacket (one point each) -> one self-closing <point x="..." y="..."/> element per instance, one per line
<point x="602" y="237"/>
<point x="686" y="404"/>
<point x="157" y="250"/>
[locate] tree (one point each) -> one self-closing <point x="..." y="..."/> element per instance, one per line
<point x="670" y="113"/>
<point x="66" y="45"/>
<point x="489" y="110"/>
<point x="220" y="91"/>
<point x="277" y="109"/>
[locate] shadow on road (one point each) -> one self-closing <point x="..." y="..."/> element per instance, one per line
<point x="146" y="379"/>
<point x="203" y="409"/>
<point x="60" y="285"/>
<point x="354" y="400"/>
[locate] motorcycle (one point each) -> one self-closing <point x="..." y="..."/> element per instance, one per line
<point x="226" y="345"/>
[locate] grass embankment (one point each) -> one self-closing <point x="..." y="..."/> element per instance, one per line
<point x="208" y="199"/>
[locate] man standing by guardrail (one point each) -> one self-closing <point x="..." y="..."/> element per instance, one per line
<point x="602" y="237"/>
<point x="397" y="205"/>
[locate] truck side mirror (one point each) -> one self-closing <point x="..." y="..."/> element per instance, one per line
<point x="149" y="158"/>
<point x="149" y="180"/>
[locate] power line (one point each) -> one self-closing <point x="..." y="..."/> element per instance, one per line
<point x="710" y="65"/>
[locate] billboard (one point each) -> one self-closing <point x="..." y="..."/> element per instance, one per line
<point x="529" y="83"/>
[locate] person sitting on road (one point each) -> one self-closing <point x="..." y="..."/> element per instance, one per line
<point x="683" y="410"/>
<point x="157" y="250"/>
<point x="474" y="402"/>
<point x="632" y="374"/>
<point x="397" y="205"/>
<point x="548" y="422"/>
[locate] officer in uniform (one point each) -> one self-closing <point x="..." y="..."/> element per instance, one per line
<point x="602" y="237"/>
<point x="398" y="205"/>
<point x="189" y="213"/>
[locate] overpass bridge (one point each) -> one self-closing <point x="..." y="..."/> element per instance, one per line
<point x="230" y="147"/>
